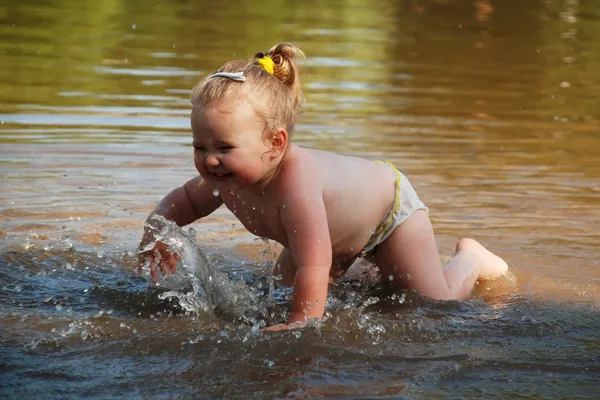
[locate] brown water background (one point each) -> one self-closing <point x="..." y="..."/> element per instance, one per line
<point x="490" y="107"/>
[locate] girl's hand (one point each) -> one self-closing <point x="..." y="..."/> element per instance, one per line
<point x="159" y="257"/>
<point x="285" y="327"/>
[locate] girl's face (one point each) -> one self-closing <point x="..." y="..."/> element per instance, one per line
<point x="229" y="148"/>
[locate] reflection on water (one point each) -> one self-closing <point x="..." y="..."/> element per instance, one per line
<point x="490" y="107"/>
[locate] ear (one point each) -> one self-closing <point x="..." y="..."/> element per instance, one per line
<point x="279" y="142"/>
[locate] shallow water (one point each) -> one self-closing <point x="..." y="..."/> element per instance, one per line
<point x="489" y="107"/>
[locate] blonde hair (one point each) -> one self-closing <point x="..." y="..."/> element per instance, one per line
<point x="275" y="91"/>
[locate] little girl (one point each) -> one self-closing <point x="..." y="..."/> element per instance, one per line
<point x="242" y="121"/>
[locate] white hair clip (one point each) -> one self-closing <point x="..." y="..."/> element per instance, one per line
<point x="234" y="76"/>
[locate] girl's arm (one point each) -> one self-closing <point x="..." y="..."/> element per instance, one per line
<point x="187" y="203"/>
<point x="183" y="206"/>
<point x="304" y="218"/>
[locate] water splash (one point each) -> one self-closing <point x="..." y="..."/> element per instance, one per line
<point x="198" y="284"/>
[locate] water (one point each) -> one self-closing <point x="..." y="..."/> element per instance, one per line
<point x="198" y="285"/>
<point x="489" y="107"/>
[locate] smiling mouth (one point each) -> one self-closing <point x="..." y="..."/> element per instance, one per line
<point x="220" y="176"/>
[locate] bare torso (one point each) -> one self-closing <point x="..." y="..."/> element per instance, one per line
<point x="357" y="193"/>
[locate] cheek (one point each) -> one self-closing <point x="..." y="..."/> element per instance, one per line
<point x="199" y="162"/>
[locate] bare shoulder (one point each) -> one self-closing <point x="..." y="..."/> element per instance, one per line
<point x="331" y="170"/>
<point x="198" y="186"/>
<point x="349" y="170"/>
<point x="300" y="173"/>
<point x="300" y="164"/>
<point x="202" y="195"/>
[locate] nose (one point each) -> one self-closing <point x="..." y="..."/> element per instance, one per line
<point x="211" y="161"/>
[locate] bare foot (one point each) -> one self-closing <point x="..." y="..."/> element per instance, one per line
<point x="490" y="265"/>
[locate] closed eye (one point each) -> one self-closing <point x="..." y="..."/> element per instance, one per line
<point x="200" y="148"/>
<point x="225" y="149"/>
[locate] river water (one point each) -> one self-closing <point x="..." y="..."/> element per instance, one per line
<point x="490" y="107"/>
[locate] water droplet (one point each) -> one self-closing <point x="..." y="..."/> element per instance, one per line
<point x="216" y="192"/>
<point x="529" y="319"/>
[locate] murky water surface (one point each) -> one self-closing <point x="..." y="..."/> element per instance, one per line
<point x="490" y="107"/>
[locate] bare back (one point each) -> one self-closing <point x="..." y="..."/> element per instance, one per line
<point x="357" y="193"/>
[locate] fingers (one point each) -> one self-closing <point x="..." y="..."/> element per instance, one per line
<point x="158" y="259"/>
<point x="296" y="325"/>
<point x="172" y="262"/>
<point x="153" y="272"/>
<point x="285" y="327"/>
<point x="168" y="260"/>
<point x="277" y="328"/>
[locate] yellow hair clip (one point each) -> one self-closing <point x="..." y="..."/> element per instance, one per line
<point x="267" y="64"/>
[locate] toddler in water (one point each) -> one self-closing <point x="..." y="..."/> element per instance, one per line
<point x="307" y="200"/>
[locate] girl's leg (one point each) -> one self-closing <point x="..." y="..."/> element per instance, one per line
<point x="410" y="259"/>
<point x="285" y="267"/>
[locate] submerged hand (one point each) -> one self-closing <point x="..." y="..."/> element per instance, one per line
<point x="159" y="257"/>
<point x="277" y="328"/>
<point x="285" y="327"/>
